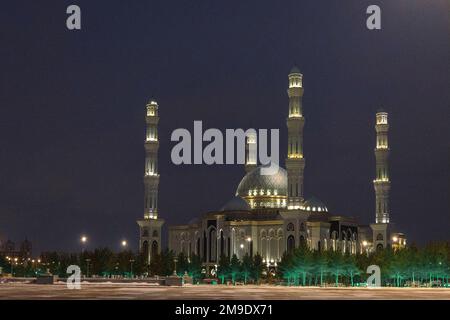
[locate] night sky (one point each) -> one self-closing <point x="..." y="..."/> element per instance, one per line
<point x="72" y="108"/>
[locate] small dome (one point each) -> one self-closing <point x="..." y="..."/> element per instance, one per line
<point x="255" y="181"/>
<point x="295" y="69"/>
<point x="315" y="205"/>
<point x="236" y="204"/>
<point x="194" y="221"/>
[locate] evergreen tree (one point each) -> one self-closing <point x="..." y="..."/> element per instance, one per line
<point x="223" y="270"/>
<point x="258" y="267"/>
<point x="182" y="264"/>
<point x="195" y="268"/>
<point x="246" y="267"/>
<point x="235" y="268"/>
<point x="350" y="267"/>
<point x="336" y="265"/>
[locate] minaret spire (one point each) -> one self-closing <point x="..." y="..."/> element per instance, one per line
<point x="295" y="162"/>
<point x="251" y="151"/>
<point x="381" y="182"/>
<point x="150" y="226"/>
<point x="151" y="176"/>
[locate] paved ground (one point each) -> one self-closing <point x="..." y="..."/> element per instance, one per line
<point x="145" y="291"/>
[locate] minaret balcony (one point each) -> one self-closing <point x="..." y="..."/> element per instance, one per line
<point x="151" y="174"/>
<point x="382" y="180"/>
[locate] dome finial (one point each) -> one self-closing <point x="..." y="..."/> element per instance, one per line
<point x="295" y="69"/>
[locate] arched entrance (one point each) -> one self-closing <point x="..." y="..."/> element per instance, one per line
<point x="154" y="248"/>
<point x="290" y="244"/>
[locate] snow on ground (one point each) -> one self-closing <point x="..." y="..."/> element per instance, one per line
<point x="263" y="292"/>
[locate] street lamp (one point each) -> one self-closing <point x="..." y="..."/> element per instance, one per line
<point x="366" y="249"/>
<point x="12" y="268"/>
<point x="175" y="269"/>
<point x="87" y="267"/>
<point x="249" y="240"/>
<point x="124" y="243"/>
<point x="131" y="268"/>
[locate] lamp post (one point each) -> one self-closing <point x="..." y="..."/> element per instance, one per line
<point x="131" y="268"/>
<point x="11" y="262"/>
<point x="124" y="243"/>
<point x="175" y="260"/>
<point x="249" y="240"/>
<point x="87" y="267"/>
<point x="365" y="244"/>
<point x="15" y="261"/>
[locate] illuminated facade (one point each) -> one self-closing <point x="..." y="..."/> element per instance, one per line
<point x="383" y="231"/>
<point x="295" y="162"/>
<point x="150" y="226"/>
<point x="269" y="214"/>
<point x="251" y="148"/>
<point x="381" y="183"/>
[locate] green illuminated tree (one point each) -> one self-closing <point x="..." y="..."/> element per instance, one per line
<point x="286" y="268"/>
<point x="350" y="267"/>
<point x="195" y="268"/>
<point x="246" y="267"/>
<point x="336" y="265"/>
<point x="182" y="264"/>
<point x="223" y="270"/>
<point x="235" y="268"/>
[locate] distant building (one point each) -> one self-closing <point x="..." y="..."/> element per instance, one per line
<point x="8" y="248"/>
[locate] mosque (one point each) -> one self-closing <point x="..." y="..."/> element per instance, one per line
<point x="269" y="214"/>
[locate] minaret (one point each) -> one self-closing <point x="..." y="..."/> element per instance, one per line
<point x="150" y="226"/>
<point x="295" y="163"/>
<point x="381" y="182"/>
<point x="251" y="151"/>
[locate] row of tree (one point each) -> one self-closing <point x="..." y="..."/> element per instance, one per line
<point x="99" y="262"/>
<point x="406" y="267"/>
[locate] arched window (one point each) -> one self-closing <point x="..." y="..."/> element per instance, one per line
<point x="154" y="248"/>
<point x="379" y="247"/>
<point x="379" y="237"/>
<point x="145" y="249"/>
<point x="302" y="226"/>
<point x="212" y="245"/>
<point x="290" y="244"/>
<point x="222" y="243"/>
<point x="145" y="232"/>
<point x="290" y="227"/>
<point x="204" y="246"/>
<point x="155" y="234"/>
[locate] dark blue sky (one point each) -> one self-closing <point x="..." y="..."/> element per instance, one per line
<point x="72" y="108"/>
